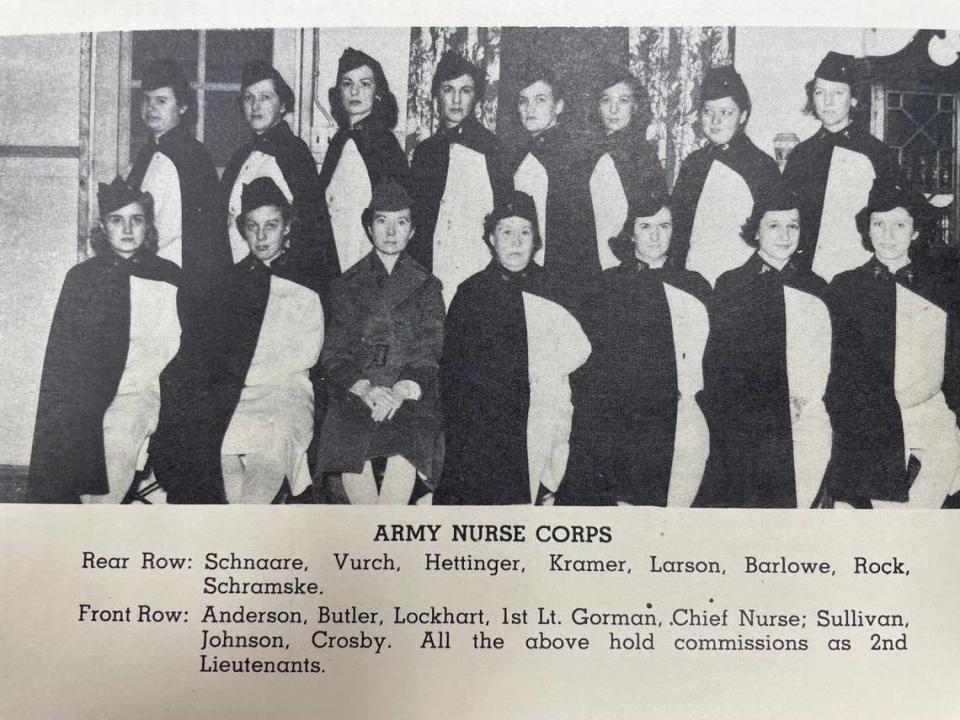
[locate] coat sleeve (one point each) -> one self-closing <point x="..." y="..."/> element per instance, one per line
<point x="338" y="358"/>
<point x="422" y="363"/>
<point x="684" y="208"/>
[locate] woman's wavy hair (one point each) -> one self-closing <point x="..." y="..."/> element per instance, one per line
<point x="99" y="243"/>
<point x="385" y="111"/>
<point x="642" y="114"/>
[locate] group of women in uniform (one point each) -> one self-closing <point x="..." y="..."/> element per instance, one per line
<point x="550" y="326"/>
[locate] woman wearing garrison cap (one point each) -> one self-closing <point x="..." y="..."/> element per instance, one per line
<point x="765" y="371"/>
<point x="380" y="360"/>
<point x="177" y="170"/>
<point x="893" y="393"/>
<point x="114" y="330"/>
<point x="507" y="354"/>
<point x="719" y="183"/>
<point x="458" y="173"/>
<point x="832" y="171"/>
<point x="625" y="164"/>
<point x="275" y="152"/>
<point x="362" y="153"/>
<point x="638" y="436"/>
<point x="238" y="404"/>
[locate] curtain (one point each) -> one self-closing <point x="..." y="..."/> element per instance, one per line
<point x="480" y="45"/>
<point x="670" y="62"/>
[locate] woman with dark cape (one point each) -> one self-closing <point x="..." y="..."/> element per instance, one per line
<point x="765" y="371"/>
<point x="363" y="152"/>
<point x="893" y="394"/>
<point x="178" y="172"/>
<point x="832" y="172"/>
<point x="719" y="183"/>
<point x="639" y="437"/>
<point x="275" y="152"/>
<point x="625" y="164"/>
<point x="508" y="351"/>
<point x="238" y="404"/>
<point x="457" y="174"/>
<point x="114" y="330"/>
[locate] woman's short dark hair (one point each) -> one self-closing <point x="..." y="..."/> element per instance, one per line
<point x="285" y="94"/>
<point x="286" y="212"/>
<point x="810" y="108"/>
<point x="490" y="227"/>
<point x="751" y="228"/>
<point x="385" y="111"/>
<point x="641" y="99"/>
<point x="99" y="243"/>
<point x="923" y="225"/>
<point x="622" y="243"/>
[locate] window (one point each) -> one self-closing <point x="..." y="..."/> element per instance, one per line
<point x="213" y="60"/>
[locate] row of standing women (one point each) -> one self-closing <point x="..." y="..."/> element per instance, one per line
<point x="678" y="394"/>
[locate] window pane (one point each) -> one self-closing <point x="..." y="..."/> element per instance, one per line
<point x="224" y="128"/>
<point x="182" y="45"/>
<point x="229" y="50"/>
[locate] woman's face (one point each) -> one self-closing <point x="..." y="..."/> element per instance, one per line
<point x="159" y="110"/>
<point x="513" y="243"/>
<point x="391" y="230"/>
<point x="358" y="88"/>
<point x="832" y="102"/>
<point x="891" y="234"/>
<point x="266" y="232"/>
<point x="126" y="229"/>
<point x="651" y="236"/>
<point x="262" y="106"/>
<point x="539" y="109"/>
<point x="720" y="119"/>
<point x="617" y="105"/>
<point x="457" y="98"/>
<point x="779" y="233"/>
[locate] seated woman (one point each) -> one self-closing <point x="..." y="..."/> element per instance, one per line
<point x="625" y="164"/>
<point x="765" y="371"/>
<point x="893" y="393"/>
<point x="275" y="152"/>
<point x="238" y="401"/>
<point x="362" y="153"/>
<point x="114" y="330"/>
<point x="639" y="437"/>
<point x="380" y="361"/>
<point x="507" y="356"/>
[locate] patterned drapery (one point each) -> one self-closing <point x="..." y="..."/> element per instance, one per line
<point x="480" y="45"/>
<point x="670" y="62"/>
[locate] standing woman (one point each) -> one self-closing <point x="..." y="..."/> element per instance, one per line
<point x="275" y="152"/>
<point x="765" y="371"/>
<point x="893" y="393"/>
<point x="362" y="153"/>
<point x="639" y="437"/>
<point x="177" y="170"/>
<point x="114" y="331"/>
<point x="625" y="164"/>
<point x="719" y="183"/>
<point x="833" y="171"/>
<point x="386" y="334"/>
<point x="507" y="354"/>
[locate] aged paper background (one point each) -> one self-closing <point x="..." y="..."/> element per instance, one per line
<point x="51" y="666"/>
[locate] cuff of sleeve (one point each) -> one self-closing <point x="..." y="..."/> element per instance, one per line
<point x="360" y="387"/>
<point x="409" y="388"/>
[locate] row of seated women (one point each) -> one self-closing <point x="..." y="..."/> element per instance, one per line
<point x="773" y="390"/>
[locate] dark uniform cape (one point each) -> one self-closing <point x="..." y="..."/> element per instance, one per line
<point x="385" y="328"/>
<point x="755" y="169"/>
<point x="508" y="353"/>
<point x="200" y="388"/>
<point x="625" y="396"/>
<point x="205" y="247"/>
<point x="428" y="175"/>
<point x="808" y="173"/>
<point x="311" y="239"/>
<point x="84" y="362"/>
<point x="570" y="251"/>
<point x="747" y="395"/>
<point x="868" y="460"/>
<point x="378" y="146"/>
<point x="624" y="167"/>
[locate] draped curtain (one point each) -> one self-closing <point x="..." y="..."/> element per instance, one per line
<point x="670" y="62"/>
<point x="480" y="45"/>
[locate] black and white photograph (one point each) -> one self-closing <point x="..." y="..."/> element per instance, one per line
<point x="568" y="285"/>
